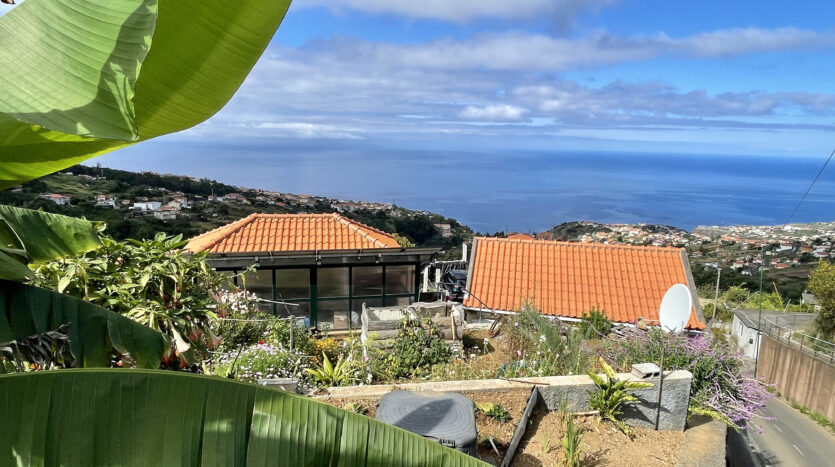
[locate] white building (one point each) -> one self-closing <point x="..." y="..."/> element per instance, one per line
<point x="59" y="199"/>
<point x="144" y="206"/>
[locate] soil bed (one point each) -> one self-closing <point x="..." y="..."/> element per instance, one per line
<point x="603" y="443"/>
<point x="513" y="401"/>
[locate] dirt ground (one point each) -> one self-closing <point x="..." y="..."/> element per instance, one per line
<point x="603" y="444"/>
<point x="501" y="433"/>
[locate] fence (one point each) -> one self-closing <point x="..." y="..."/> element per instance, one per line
<point x="805" y="343"/>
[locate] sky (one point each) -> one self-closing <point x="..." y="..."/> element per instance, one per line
<point x="655" y="76"/>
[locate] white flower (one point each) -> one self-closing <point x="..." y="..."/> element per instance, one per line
<point x="542" y="338"/>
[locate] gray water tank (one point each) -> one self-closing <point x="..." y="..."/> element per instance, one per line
<point x="443" y="417"/>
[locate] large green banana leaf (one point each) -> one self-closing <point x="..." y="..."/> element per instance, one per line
<point x="32" y="237"/>
<point x="143" y="418"/>
<point x="82" y="78"/>
<point x="93" y="331"/>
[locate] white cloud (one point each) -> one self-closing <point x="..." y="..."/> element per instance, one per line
<point x="348" y="89"/>
<point x="307" y="130"/>
<point x="492" y="113"/>
<point x="537" y="52"/>
<point x="459" y="11"/>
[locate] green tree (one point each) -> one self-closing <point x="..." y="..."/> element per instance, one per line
<point x="822" y="284"/>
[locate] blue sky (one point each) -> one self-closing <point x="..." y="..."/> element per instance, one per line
<point x="713" y="77"/>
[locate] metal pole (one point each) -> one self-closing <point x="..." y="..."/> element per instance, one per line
<point x="292" y="325"/>
<point x="760" y="317"/>
<point x="716" y="297"/>
<point x="660" y="385"/>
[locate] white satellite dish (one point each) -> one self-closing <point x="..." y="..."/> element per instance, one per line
<point x="675" y="308"/>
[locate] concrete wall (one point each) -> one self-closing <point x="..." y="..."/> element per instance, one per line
<point x="800" y="376"/>
<point x="573" y="390"/>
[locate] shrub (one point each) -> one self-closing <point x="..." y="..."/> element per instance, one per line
<point x="541" y="348"/>
<point x="611" y="394"/>
<point x="151" y="281"/>
<point x="719" y="388"/>
<point x="242" y="323"/>
<point x="279" y="334"/>
<point x="262" y="361"/>
<point x="595" y="324"/>
<point x="416" y="348"/>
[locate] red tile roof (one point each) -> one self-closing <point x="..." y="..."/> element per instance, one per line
<point x="567" y="279"/>
<point x="261" y="233"/>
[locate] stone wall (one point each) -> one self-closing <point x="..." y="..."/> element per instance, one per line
<point x="801" y="377"/>
<point x="675" y="396"/>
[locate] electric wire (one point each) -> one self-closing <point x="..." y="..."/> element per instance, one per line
<point x="815" y="180"/>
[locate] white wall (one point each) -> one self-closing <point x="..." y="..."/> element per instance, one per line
<point x="746" y="337"/>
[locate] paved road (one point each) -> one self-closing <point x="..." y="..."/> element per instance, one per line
<point x="793" y="439"/>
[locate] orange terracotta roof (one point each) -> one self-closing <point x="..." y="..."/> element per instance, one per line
<point x="566" y="279"/>
<point x="261" y="233"/>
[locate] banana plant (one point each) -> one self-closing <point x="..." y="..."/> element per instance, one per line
<point x="83" y="417"/>
<point x="82" y="78"/>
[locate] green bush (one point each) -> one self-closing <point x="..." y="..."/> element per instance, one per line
<point x="262" y="361"/>
<point x="595" y="324"/>
<point x="152" y="282"/>
<point x="540" y="347"/>
<point x="417" y="347"/>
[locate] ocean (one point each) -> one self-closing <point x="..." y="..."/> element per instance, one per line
<point x="529" y="191"/>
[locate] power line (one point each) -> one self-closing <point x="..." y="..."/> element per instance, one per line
<point x="802" y="199"/>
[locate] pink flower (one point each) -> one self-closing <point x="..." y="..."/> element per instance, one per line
<point x="519" y="353"/>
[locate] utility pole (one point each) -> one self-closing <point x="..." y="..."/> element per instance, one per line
<point x="716" y="297"/>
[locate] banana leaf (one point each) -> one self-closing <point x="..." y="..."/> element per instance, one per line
<point x="94" y="332"/>
<point x="82" y="78"/>
<point x="140" y="417"/>
<point x="32" y="237"/>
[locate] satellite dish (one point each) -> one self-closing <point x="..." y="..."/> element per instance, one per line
<point x="675" y="308"/>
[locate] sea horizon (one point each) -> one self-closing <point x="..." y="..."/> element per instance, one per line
<point x="527" y="191"/>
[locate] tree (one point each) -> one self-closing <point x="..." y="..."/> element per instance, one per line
<point x="822" y="284"/>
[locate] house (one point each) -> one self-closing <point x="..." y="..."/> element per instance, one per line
<point x="566" y="279"/>
<point x="166" y="213"/>
<point x="444" y="229"/>
<point x="57" y="198"/>
<point x="104" y="201"/>
<point x="324" y="265"/>
<point x="144" y="206"/>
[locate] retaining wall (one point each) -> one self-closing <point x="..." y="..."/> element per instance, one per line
<point x="555" y="389"/>
<point x="801" y="377"/>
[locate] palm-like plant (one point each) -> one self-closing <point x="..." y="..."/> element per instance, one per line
<point x="611" y="394"/>
<point x="329" y="374"/>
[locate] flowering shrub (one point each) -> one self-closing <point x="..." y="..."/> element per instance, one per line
<point x="541" y="349"/>
<point x="241" y="323"/>
<point x="719" y="388"/>
<point x="263" y="361"/>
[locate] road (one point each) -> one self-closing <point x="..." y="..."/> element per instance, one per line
<point x="793" y="439"/>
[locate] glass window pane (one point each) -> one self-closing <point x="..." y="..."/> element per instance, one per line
<point x="300" y="311"/>
<point x="333" y="282"/>
<point x="292" y="284"/>
<point x="333" y="314"/>
<point x="399" y="301"/>
<point x="400" y="279"/>
<point x="367" y="280"/>
<point x="371" y="302"/>
<point x="259" y="282"/>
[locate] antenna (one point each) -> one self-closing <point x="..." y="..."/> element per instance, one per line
<point x="675" y="308"/>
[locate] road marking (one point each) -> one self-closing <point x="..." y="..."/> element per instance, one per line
<point x="778" y="428"/>
<point x="798" y="450"/>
